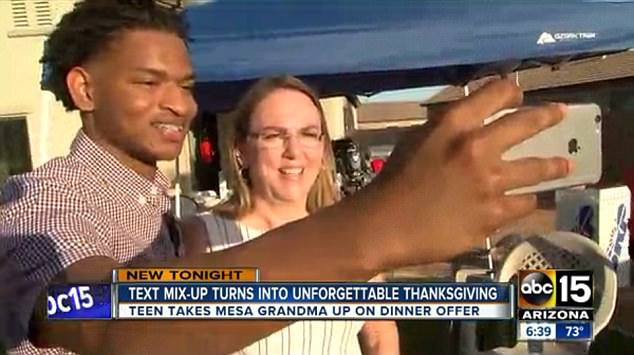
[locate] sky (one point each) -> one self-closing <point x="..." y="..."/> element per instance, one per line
<point x="416" y="94"/>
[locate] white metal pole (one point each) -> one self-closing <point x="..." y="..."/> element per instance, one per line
<point x="517" y="78"/>
<point x="177" y="190"/>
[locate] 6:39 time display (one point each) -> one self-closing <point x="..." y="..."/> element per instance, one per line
<point x="538" y="331"/>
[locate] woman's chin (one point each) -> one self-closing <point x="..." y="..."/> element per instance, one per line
<point x="290" y="196"/>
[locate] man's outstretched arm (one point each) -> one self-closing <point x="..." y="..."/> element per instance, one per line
<point x="322" y="251"/>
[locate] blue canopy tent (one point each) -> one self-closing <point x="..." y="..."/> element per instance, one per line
<point x="360" y="47"/>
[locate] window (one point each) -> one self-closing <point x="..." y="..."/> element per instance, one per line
<point x="31" y="17"/>
<point x="622" y="100"/>
<point x="15" y="154"/>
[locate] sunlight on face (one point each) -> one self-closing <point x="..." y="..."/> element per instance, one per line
<point x="285" y="147"/>
<point x="143" y="92"/>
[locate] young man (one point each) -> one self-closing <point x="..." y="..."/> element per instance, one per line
<point x="126" y="69"/>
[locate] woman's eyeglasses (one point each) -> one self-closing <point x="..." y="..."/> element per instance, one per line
<point x="278" y="139"/>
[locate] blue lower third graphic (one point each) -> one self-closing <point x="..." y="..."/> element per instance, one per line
<point x="79" y="301"/>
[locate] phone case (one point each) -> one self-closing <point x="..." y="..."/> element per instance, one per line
<point x="577" y="137"/>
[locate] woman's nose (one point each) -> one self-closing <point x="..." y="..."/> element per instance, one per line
<point x="291" y="146"/>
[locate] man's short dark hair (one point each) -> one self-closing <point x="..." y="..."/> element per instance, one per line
<point x="90" y="27"/>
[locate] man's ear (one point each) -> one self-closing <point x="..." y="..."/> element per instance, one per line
<point x="80" y="89"/>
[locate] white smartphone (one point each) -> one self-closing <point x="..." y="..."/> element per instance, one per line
<point x="577" y="137"/>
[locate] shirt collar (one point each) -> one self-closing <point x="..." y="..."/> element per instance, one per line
<point x="91" y="155"/>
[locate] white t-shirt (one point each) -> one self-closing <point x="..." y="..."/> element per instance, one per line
<point x="301" y="337"/>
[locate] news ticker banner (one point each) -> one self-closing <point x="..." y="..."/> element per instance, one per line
<point x="183" y="294"/>
<point x="314" y="301"/>
<point x="548" y="304"/>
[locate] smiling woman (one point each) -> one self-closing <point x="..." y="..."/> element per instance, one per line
<point x="277" y="149"/>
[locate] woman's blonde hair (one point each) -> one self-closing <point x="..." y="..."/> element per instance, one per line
<point x="324" y="190"/>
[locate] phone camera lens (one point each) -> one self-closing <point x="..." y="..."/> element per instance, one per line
<point x="573" y="146"/>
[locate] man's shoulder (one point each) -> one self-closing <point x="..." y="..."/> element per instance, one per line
<point x="58" y="175"/>
<point x="60" y="183"/>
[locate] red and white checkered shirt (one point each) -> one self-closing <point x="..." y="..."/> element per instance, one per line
<point x="83" y="205"/>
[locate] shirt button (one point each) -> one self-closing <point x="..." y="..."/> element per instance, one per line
<point x="142" y="200"/>
<point x="154" y="190"/>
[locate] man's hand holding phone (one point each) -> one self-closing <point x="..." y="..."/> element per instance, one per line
<point x="446" y="183"/>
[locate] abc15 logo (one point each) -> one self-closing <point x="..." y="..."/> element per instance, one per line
<point x="555" y="288"/>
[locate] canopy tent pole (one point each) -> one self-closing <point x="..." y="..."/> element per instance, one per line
<point x="517" y="78"/>
<point x="177" y="190"/>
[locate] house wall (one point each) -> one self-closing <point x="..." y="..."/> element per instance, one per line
<point x="19" y="88"/>
<point x="336" y="116"/>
